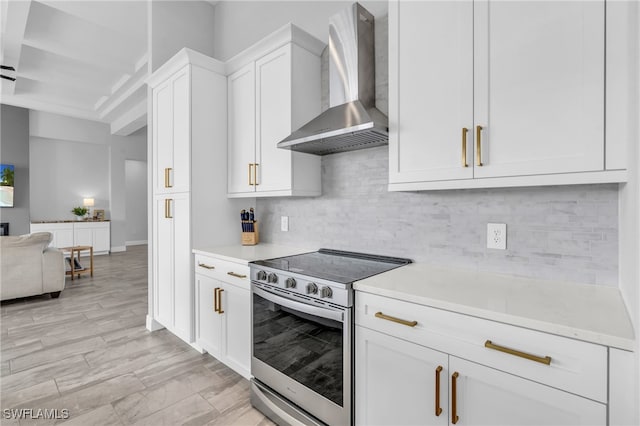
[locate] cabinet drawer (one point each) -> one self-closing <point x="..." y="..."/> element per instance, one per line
<point x="229" y="272"/>
<point x="574" y="366"/>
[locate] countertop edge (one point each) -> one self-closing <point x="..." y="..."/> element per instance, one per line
<point x="595" y="337"/>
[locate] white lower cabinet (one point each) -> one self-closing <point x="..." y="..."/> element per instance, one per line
<point x="67" y="234"/>
<point x="223" y="312"/>
<point x="413" y="361"/>
<point x="486" y="396"/>
<point x="399" y="382"/>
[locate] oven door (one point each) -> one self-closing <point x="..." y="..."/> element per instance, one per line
<point x="303" y="352"/>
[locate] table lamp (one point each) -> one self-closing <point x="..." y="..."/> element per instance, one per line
<point x="88" y="203"/>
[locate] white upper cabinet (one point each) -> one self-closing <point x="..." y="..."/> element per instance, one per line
<point x="539" y="87"/>
<point x="273" y="89"/>
<point x="433" y="69"/>
<point x="241" y="109"/>
<point x="489" y="94"/>
<point x="171" y="134"/>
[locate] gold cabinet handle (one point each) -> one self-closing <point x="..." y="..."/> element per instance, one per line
<point x="454" y="397"/>
<point x="464" y="147"/>
<point x="543" y="360"/>
<point x="394" y="319"/>
<point x="204" y="265"/>
<point x="250" y="183"/>
<point x="220" y="311"/>
<point x="167" y="170"/>
<point x="438" y="408"/>
<point x="215" y="299"/>
<point x="478" y="146"/>
<point x="167" y="208"/>
<point x="255" y="174"/>
<point x="233" y="274"/>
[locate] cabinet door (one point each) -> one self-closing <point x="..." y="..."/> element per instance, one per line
<point x="273" y="120"/>
<point x="182" y="266"/>
<point x="431" y="87"/>
<point x="396" y="381"/>
<point x="180" y="176"/>
<point x="163" y="263"/>
<point x="539" y="86"/>
<point x="172" y="134"/>
<point x="208" y="327"/>
<point x="102" y="238"/>
<point x="236" y="348"/>
<point x="162" y="137"/>
<point x="63" y="237"/>
<point x="486" y="396"/>
<point x="241" y="130"/>
<point x="83" y="236"/>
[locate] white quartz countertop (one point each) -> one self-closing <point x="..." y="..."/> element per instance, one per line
<point x="591" y="313"/>
<point x="245" y="254"/>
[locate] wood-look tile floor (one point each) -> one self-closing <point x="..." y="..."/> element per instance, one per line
<point x="89" y="352"/>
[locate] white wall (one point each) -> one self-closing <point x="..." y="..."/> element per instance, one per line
<point x="136" y="201"/>
<point x="75" y="159"/>
<point x="239" y="24"/>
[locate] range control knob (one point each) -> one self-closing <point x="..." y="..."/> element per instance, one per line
<point x="261" y="276"/>
<point x="272" y="278"/>
<point x="312" y="288"/>
<point x="290" y="283"/>
<point x="326" y="292"/>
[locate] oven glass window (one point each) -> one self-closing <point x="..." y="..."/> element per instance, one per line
<point x="307" y="348"/>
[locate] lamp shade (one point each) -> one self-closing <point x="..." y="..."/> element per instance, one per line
<point x="88" y="202"/>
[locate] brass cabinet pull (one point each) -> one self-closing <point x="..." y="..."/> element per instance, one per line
<point x="220" y="311"/>
<point x="250" y="183"/>
<point x="464" y="147"/>
<point x="255" y="174"/>
<point x="438" y="408"/>
<point x="394" y="319"/>
<point x="204" y="265"/>
<point x="454" y="402"/>
<point x="233" y="274"/>
<point x="478" y="146"/>
<point x="215" y="299"/>
<point x="167" y="208"/>
<point x="543" y="360"/>
<point x="167" y="170"/>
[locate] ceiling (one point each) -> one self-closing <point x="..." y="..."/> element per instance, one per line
<point x="84" y="59"/>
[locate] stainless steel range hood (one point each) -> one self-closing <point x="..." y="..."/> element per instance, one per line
<point x="352" y="120"/>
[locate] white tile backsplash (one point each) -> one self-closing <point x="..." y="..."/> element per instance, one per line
<point x="567" y="233"/>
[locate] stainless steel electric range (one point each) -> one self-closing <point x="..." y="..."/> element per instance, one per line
<point x="302" y="334"/>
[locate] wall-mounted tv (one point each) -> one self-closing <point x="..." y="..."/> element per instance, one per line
<point x="6" y="185"/>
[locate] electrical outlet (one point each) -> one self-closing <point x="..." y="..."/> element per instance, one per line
<point x="497" y="236"/>
<point x="284" y="223"/>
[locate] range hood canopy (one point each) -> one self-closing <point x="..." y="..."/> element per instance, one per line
<point x="352" y="120"/>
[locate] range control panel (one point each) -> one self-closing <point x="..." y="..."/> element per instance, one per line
<point x="312" y="288"/>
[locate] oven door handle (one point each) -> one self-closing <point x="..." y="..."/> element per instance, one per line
<point x="301" y="307"/>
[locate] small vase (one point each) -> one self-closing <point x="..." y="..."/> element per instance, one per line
<point x="79" y="218"/>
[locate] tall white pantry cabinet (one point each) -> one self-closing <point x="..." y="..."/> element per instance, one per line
<point x="188" y="180"/>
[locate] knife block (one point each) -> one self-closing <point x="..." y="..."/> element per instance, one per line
<point x="251" y="238"/>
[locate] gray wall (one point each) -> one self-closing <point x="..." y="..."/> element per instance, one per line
<point x="72" y="159"/>
<point x="14" y="149"/>
<point x="136" y="202"/>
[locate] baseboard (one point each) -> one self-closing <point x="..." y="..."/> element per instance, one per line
<point x="153" y="325"/>
<point x="118" y="249"/>
<point x="136" y="243"/>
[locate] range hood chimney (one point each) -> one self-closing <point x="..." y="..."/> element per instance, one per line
<point x="352" y="121"/>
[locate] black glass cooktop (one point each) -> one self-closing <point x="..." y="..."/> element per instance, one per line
<point x="335" y="265"/>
